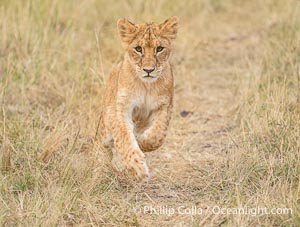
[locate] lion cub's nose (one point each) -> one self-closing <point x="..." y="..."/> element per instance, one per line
<point x="147" y="70"/>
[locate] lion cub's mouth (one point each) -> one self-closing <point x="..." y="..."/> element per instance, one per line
<point x="148" y="76"/>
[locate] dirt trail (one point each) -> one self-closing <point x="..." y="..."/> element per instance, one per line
<point x="185" y="169"/>
<point x="188" y="169"/>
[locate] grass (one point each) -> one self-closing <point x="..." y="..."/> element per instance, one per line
<point x="237" y="75"/>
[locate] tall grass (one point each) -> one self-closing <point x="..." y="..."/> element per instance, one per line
<point x="265" y="166"/>
<point x="55" y="57"/>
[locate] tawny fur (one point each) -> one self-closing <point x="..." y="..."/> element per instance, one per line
<point x="137" y="104"/>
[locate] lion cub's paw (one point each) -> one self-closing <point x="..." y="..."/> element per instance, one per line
<point x="134" y="164"/>
<point x="117" y="162"/>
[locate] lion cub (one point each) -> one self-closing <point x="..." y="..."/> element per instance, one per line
<point x="138" y="98"/>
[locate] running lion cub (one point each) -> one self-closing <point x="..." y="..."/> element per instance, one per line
<point x="138" y="98"/>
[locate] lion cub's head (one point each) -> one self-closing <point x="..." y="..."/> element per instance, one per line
<point x="148" y="45"/>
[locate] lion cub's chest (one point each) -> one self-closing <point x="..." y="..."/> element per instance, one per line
<point x="143" y="111"/>
<point x="144" y="105"/>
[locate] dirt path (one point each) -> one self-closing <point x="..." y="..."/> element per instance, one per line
<point x="185" y="170"/>
<point x="189" y="170"/>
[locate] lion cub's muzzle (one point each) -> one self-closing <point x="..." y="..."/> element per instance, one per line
<point x="149" y="72"/>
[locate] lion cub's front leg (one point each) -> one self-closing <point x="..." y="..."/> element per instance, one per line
<point x="153" y="137"/>
<point x="127" y="155"/>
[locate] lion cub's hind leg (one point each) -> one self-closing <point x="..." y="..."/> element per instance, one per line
<point x="141" y="125"/>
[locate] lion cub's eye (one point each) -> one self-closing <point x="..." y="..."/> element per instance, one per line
<point x="159" y="49"/>
<point x="138" y="49"/>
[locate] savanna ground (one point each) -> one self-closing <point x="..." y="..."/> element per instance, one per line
<point x="234" y="137"/>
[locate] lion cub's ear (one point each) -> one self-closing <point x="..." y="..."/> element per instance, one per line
<point x="127" y="31"/>
<point x="168" y="28"/>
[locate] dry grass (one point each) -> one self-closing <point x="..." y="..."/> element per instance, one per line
<point x="237" y="75"/>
